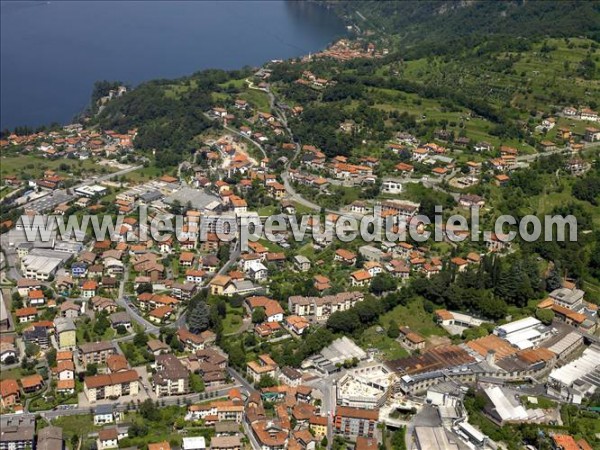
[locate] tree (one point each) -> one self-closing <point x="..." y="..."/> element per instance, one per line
<point x="102" y="324"/>
<point x="149" y="411"/>
<point x="344" y="321"/>
<point x="31" y="349"/>
<point x="144" y="287"/>
<point x="176" y="344"/>
<point x="237" y="356"/>
<point x="493" y="307"/>
<point x="74" y="441"/>
<point x="222" y="308"/>
<point x="17" y="300"/>
<point x="393" y="330"/>
<point x="382" y="282"/>
<point x="198" y="319"/>
<point x="140" y="339"/>
<point x="91" y="369"/>
<point x="121" y="330"/>
<point x="553" y="281"/>
<point x="137" y="429"/>
<point x="196" y="383"/>
<point x="546" y="316"/>
<point x="259" y="315"/>
<point x="266" y="381"/>
<point x="51" y="357"/>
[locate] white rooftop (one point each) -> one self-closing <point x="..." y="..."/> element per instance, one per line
<point x="565" y="343"/>
<point x="518" y="325"/>
<point x="506" y="409"/>
<point x="194" y="443"/>
<point x="522" y="339"/>
<point x="587" y="363"/>
<point x="41" y="264"/>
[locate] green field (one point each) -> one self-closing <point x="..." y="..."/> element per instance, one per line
<point x="415" y="317"/>
<point x="258" y="99"/>
<point x="29" y="166"/>
<point x="233" y="320"/>
<point x="390" y="348"/>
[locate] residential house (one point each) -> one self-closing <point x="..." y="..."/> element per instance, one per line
<point x="345" y="256"/>
<point x="360" y="278"/>
<point x="69" y="309"/>
<point x="89" y="288"/>
<point x="262" y="367"/>
<point x="273" y="310"/>
<point x="411" y="340"/>
<point x="24" y="315"/>
<point x="96" y="352"/>
<point x="302" y="263"/>
<point x="9" y="392"/>
<point x="66" y="333"/>
<point x="194" y="342"/>
<point x="32" y="383"/>
<point x="355" y="422"/>
<point x="104" y="414"/>
<point x="290" y="377"/>
<point x="171" y="377"/>
<point x="111" y="385"/>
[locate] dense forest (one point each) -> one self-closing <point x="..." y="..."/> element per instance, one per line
<point x="440" y="27"/>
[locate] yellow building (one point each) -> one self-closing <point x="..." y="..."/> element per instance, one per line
<point x="66" y="333"/>
<point x="318" y="424"/>
<point x="218" y="284"/>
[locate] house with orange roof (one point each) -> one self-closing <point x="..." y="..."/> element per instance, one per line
<point x="411" y="339"/>
<point x="36" y="297"/>
<point x="32" y="383"/>
<point x="460" y="263"/>
<point x="345" y="256"/>
<point x="297" y="324"/>
<point x="66" y="386"/>
<point x="267" y="329"/>
<point x="64" y="370"/>
<point x="218" y="284"/>
<point x="262" y="367"/>
<point x="273" y="310"/>
<point x="360" y="278"/>
<point x="186" y="259"/>
<point x="89" y="288"/>
<point x="501" y="179"/>
<point x="9" y="392"/>
<point x="565" y="442"/>
<point x="28" y="314"/>
<point x="161" y="314"/>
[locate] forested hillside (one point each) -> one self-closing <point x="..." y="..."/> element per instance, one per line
<point x="441" y="27"/>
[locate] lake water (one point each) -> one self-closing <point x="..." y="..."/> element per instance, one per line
<point x="53" y="52"/>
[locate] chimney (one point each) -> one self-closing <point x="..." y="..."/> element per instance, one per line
<point x="491" y="357"/>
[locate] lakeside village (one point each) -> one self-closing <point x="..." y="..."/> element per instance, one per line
<point x="114" y="343"/>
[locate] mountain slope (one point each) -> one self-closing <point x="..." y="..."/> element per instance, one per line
<point x="440" y="24"/>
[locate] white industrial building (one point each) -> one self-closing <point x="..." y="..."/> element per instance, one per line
<point x="91" y="191"/>
<point x="40" y="267"/>
<point x="504" y="408"/>
<point x="578" y="379"/>
<point x="524" y="333"/>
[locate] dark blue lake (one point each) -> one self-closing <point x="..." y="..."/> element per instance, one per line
<point x="52" y="52"/>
